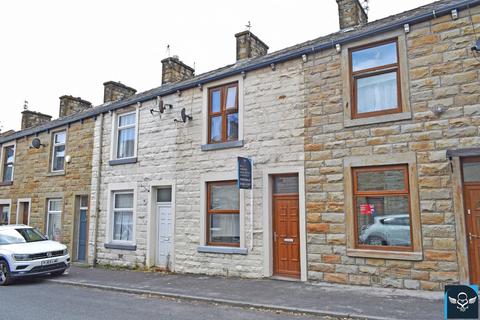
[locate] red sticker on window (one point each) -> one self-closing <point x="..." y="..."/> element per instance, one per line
<point x="367" y="209"/>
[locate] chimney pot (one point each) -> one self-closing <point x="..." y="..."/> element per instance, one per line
<point x="249" y="46"/>
<point x="114" y="91"/>
<point x="70" y="105"/>
<point x="351" y="14"/>
<point x="173" y="70"/>
<point x="32" y="119"/>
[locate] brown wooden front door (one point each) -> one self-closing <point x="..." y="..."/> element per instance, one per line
<point x="286" y="235"/>
<point x="471" y="193"/>
<point x="25" y="209"/>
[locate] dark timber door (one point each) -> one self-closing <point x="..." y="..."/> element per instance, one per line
<point x="24" y="207"/>
<point x="471" y="189"/>
<point x="286" y="237"/>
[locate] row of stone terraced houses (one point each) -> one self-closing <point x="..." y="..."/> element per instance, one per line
<point x="365" y="147"/>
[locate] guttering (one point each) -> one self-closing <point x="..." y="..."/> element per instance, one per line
<point x="98" y="190"/>
<point x="250" y="67"/>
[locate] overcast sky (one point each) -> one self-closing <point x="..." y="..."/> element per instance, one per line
<point x="54" y="47"/>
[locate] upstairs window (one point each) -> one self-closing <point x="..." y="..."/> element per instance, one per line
<point x="8" y="158"/>
<point x="126" y="135"/>
<point x="223" y="113"/>
<point x="58" y="151"/>
<point x="375" y="79"/>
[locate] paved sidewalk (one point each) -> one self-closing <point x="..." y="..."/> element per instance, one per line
<point x="321" y="299"/>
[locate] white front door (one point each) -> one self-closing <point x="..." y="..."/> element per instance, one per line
<point x="164" y="230"/>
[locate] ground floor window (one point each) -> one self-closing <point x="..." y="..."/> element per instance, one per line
<point x="4" y="213"/>
<point x="123" y="216"/>
<point x="382" y="207"/>
<point x="223" y="214"/>
<point x="54" y="219"/>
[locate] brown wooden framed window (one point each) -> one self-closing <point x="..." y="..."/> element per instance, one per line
<point x="223" y="113"/>
<point x="223" y="214"/>
<point x="375" y="79"/>
<point x="382" y="210"/>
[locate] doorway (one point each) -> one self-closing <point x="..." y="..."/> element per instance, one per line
<point x="286" y="230"/>
<point x="23" y="211"/>
<point x="471" y="196"/>
<point x="164" y="227"/>
<point x="81" y="219"/>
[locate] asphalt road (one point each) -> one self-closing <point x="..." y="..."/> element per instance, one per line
<point x="39" y="299"/>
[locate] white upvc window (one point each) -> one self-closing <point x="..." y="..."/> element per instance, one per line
<point x="122" y="216"/>
<point x="8" y="163"/>
<point x="5" y="206"/>
<point x="125" y="142"/>
<point x="54" y="219"/>
<point x="58" y="151"/>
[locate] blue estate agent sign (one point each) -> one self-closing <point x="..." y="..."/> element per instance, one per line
<point x="244" y="173"/>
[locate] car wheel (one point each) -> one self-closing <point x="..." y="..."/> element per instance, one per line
<point x="376" y="241"/>
<point x="4" y="274"/>
<point x="57" y="273"/>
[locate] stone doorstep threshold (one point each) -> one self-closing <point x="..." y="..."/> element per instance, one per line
<point x="233" y="303"/>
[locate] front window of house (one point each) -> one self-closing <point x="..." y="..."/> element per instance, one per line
<point x="126" y="135"/>
<point x="9" y="155"/>
<point x="123" y="216"/>
<point x="223" y="214"/>
<point x="223" y="113"/>
<point x="58" y="151"/>
<point x="4" y="213"/>
<point x="54" y="219"/>
<point x="375" y="79"/>
<point x="382" y="207"/>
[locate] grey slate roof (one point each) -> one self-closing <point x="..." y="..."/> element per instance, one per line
<point x="417" y="15"/>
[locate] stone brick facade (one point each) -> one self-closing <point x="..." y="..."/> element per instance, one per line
<point x="114" y="91"/>
<point x="249" y="46"/>
<point x="442" y="71"/>
<point x="174" y="70"/>
<point x="296" y="115"/>
<point x="351" y="14"/>
<point x="33" y="179"/>
<point x="71" y="105"/>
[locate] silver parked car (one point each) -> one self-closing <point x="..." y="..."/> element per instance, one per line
<point x="391" y="230"/>
<point x="25" y="251"/>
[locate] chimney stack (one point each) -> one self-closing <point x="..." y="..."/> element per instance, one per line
<point x="32" y="119"/>
<point x="70" y="105"/>
<point x="249" y="46"/>
<point x="174" y="70"/>
<point x="351" y="14"/>
<point x="114" y="91"/>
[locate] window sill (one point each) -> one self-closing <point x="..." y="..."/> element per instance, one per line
<point x="129" y="247"/>
<point x="224" y="250"/>
<point x="55" y="174"/>
<point x="378" y="119"/>
<point x="380" y="254"/>
<point x="223" y="145"/>
<point x="6" y="183"/>
<point x="117" y="162"/>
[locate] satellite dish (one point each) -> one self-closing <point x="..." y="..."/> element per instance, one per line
<point x="36" y="143"/>
<point x="185" y="116"/>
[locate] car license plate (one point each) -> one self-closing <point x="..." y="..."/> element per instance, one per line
<point x="49" y="262"/>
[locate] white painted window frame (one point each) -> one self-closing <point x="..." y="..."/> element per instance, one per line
<point x="3" y="158"/>
<point x="9" y="203"/>
<point x="52" y="161"/>
<point x="205" y="123"/>
<point x="219" y="177"/>
<point x="115" y="129"/>
<point x="53" y="212"/>
<point x="24" y="200"/>
<point x="121" y="188"/>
